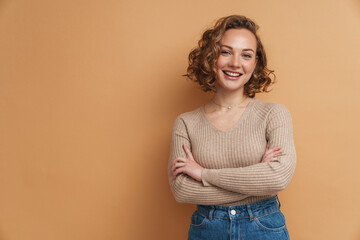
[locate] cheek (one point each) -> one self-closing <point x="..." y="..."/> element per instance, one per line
<point x="220" y="62"/>
<point x="250" y="66"/>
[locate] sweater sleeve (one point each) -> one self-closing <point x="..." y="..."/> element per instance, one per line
<point x="187" y="190"/>
<point x="262" y="178"/>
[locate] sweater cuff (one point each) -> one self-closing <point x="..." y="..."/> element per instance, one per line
<point x="210" y="177"/>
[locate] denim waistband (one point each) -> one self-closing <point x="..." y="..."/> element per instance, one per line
<point x="251" y="210"/>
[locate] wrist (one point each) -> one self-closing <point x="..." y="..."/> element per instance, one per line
<point x="201" y="173"/>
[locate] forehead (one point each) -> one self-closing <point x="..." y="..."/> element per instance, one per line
<point x="239" y="38"/>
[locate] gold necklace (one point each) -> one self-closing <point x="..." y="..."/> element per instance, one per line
<point x="228" y="107"/>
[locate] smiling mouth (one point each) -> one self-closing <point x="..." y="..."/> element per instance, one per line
<point x="232" y="74"/>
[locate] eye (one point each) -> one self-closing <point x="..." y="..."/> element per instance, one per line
<point x="224" y="52"/>
<point x="247" y="56"/>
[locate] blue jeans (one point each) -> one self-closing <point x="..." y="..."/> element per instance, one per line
<point x="261" y="220"/>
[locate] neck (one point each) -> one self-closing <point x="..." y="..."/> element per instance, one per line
<point x="229" y="98"/>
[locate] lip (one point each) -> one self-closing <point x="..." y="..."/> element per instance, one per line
<point x="232" y="77"/>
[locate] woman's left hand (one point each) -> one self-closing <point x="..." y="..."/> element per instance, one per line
<point x="187" y="166"/>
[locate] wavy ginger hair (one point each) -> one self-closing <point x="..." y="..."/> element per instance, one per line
<point x="202" y="59"/>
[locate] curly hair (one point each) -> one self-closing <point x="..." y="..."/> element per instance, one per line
<point x="202" y="59"/>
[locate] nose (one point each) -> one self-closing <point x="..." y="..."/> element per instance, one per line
<point x="235" y="62"/>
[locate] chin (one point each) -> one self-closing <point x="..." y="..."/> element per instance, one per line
<point x="232" y="87"/>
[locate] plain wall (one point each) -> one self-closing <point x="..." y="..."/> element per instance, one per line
<point x="89" y="91"/>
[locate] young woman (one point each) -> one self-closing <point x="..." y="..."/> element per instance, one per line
<point x="232" y="155"/>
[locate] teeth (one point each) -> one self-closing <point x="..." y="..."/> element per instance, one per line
<point x="232" y="74"/>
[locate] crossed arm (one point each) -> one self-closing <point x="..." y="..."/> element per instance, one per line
<point x="192" y="183"/>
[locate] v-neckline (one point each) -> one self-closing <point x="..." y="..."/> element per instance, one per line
<point x="242" y="117"/>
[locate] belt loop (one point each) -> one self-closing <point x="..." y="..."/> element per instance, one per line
<point x="211" y="212"/>
<point x="250" y="212"/>
<point x="277" y="198"/>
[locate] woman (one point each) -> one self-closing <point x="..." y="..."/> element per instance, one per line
<point x="232" y="155"/>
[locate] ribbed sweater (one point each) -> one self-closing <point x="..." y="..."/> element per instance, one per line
<point x="233" y="172"/>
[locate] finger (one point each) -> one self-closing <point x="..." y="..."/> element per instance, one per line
<point x="178" y="171"/>
<point x="281" y="154"/>
<point x="174" y="174"/>
<point x="278" y="153"/>
<point x="272" y="155"/>
<point x="173" y="163"/>
<point x="270" y="159"/>
<point x="271" y="151"/>
<point x="266" y="160"/>
<point x="177" y="165"/>
<point x="275" y="153"/>
<point x="178" y="160"/>
<point x="188" y="152"/>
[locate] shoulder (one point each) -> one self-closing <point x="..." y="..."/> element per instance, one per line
<point x="268" y="110"/>
<point x="189" y="118"/>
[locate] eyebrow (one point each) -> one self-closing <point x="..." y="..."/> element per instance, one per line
<point x="245" y="49"/>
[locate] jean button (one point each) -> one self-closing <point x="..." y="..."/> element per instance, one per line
<point x="233" y="212"/>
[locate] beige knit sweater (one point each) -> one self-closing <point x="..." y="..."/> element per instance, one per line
<point x="234" y="173"/>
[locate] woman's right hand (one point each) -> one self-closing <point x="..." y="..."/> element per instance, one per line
<point x="271" y="154"/>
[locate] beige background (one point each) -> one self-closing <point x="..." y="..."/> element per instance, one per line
<point x="89" y="91"/>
